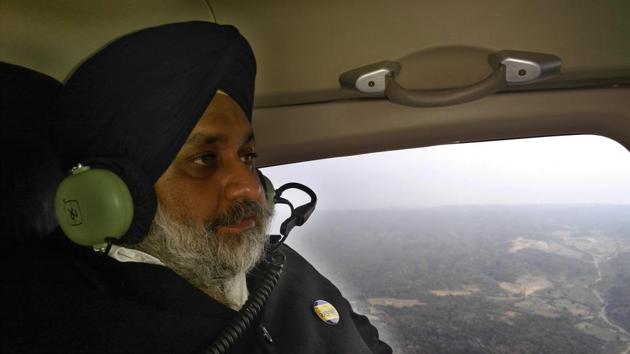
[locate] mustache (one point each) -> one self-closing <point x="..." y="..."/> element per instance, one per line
<point x="239" y="211"/>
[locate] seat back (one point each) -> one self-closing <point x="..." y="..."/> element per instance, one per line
<point x="29" y="170"/>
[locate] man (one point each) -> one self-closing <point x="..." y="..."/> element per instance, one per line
<point x="168" y="111"/>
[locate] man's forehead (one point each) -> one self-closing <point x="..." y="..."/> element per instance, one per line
<point x="222" y="121"/>
<point x="223" y="106"/>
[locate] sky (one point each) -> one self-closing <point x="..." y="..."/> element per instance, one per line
<point x="571" y="169"/>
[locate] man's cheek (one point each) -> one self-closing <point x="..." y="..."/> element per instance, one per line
<point x="200" y="204"/>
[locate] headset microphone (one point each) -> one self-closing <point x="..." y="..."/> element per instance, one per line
<point x="299" y="215"/>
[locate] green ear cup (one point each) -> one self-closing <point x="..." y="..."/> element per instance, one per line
<point x="270" y="191"/>
<point x="92" y="205"/>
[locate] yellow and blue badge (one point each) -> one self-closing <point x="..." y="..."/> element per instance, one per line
<point x="326" y="312"/>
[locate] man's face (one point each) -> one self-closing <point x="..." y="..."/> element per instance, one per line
<point x="210" y="226"/>
<point x="213" y="170"/>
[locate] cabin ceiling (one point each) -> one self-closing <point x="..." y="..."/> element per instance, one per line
<point x="303" y="46"/>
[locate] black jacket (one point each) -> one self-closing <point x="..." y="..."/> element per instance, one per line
<point x="62" y="298"/>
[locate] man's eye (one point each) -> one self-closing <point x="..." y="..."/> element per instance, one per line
<point x="205" y="160"/>
<point x="250" y="158"/>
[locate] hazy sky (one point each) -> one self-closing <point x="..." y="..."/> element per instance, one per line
<point x="574" y="169"/>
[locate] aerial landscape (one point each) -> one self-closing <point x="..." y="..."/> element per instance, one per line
<point x="482" y="279"/>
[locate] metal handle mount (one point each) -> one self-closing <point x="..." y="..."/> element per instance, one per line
<point x="511" y="68"/>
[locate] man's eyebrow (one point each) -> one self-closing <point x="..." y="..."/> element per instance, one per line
<point x="205" y="138"/>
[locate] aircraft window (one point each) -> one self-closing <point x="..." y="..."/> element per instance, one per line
<point x="519" y="246"/>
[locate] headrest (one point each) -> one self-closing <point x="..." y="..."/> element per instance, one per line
<point x="29" y="170"/>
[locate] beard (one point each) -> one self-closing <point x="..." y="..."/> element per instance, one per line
<point x="211" y="262"/>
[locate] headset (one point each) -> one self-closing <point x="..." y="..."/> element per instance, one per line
<point x="106" y="200"/>
<point x="110" y="201"/>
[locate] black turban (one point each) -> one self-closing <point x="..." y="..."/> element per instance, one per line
<point x="132" y="105"/>
<point x="140" y="96"/>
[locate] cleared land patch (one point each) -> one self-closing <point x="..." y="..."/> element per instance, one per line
<point x="552" y="247"/>
<point x="397" y="303"/>
<point x="465" y="291"/>
<point x="526" y="285"/>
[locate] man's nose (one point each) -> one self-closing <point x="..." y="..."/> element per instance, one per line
<point x="242" y="183"/>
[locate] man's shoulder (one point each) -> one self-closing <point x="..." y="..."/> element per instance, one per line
<point x="310" y="315"/>
<point x="302" y="274"/>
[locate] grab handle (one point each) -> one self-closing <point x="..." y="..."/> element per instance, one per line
<point x="511" y="68"/>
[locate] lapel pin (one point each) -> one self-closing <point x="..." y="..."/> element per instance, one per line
<point x="326" y="312"/>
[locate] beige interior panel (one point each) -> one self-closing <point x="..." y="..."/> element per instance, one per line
<point x="54" y="36"/>
<point x="309" y="132"/>
<point x="303" y="46"/>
